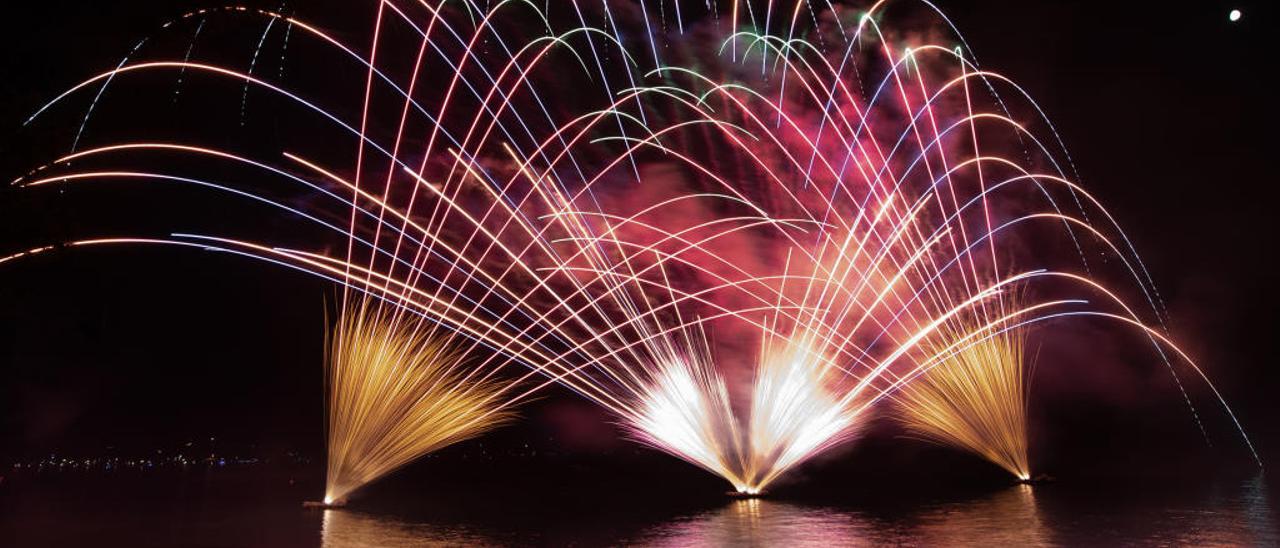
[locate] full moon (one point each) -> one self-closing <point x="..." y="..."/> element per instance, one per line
<point x="1234" y="15"/>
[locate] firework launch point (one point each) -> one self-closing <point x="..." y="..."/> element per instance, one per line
<point x="746" y="494"/>
<point x="1038" y="479"/>
<point x="324" y="504"/>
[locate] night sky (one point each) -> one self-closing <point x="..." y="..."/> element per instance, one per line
<point x="1164" y="111"/>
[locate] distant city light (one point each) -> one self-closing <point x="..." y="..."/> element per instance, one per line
<point x="1234" y="15"/>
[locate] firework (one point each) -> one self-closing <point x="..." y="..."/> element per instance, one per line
<point x="795" y="413"/>
<point x="686" y="412"/>
<point x="974" y="395"/>
<point x="396" y="392"/>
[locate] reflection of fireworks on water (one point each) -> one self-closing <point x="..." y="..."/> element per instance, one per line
<point x="850" y="194"/>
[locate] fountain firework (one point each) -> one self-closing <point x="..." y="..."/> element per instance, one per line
<point x="974" y="397"/>
<point x="396" y="392"/>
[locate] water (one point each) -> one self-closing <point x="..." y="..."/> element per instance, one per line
<point x="1017" y="516"/>
<point x="230" y="512"/>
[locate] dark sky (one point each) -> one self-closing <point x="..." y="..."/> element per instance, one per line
<point x="1163" y="108"/>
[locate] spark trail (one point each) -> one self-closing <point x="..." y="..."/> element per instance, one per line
<point x="975" y="397"/>
<point x="395" y="394"/>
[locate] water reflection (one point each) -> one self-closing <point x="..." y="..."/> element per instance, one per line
<point x="1008" y="517"/>
<point x="1227" y="513"/>
<point x="762" y="522"/>
<point x="349" y="529"/>
<point x="1235" y="515"/>
<point x="1258" y="515"/>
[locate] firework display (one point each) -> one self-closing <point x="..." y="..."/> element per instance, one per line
<point x="737" y="227"/>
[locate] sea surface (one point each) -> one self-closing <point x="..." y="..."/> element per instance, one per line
<point x="227" y="509"/>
